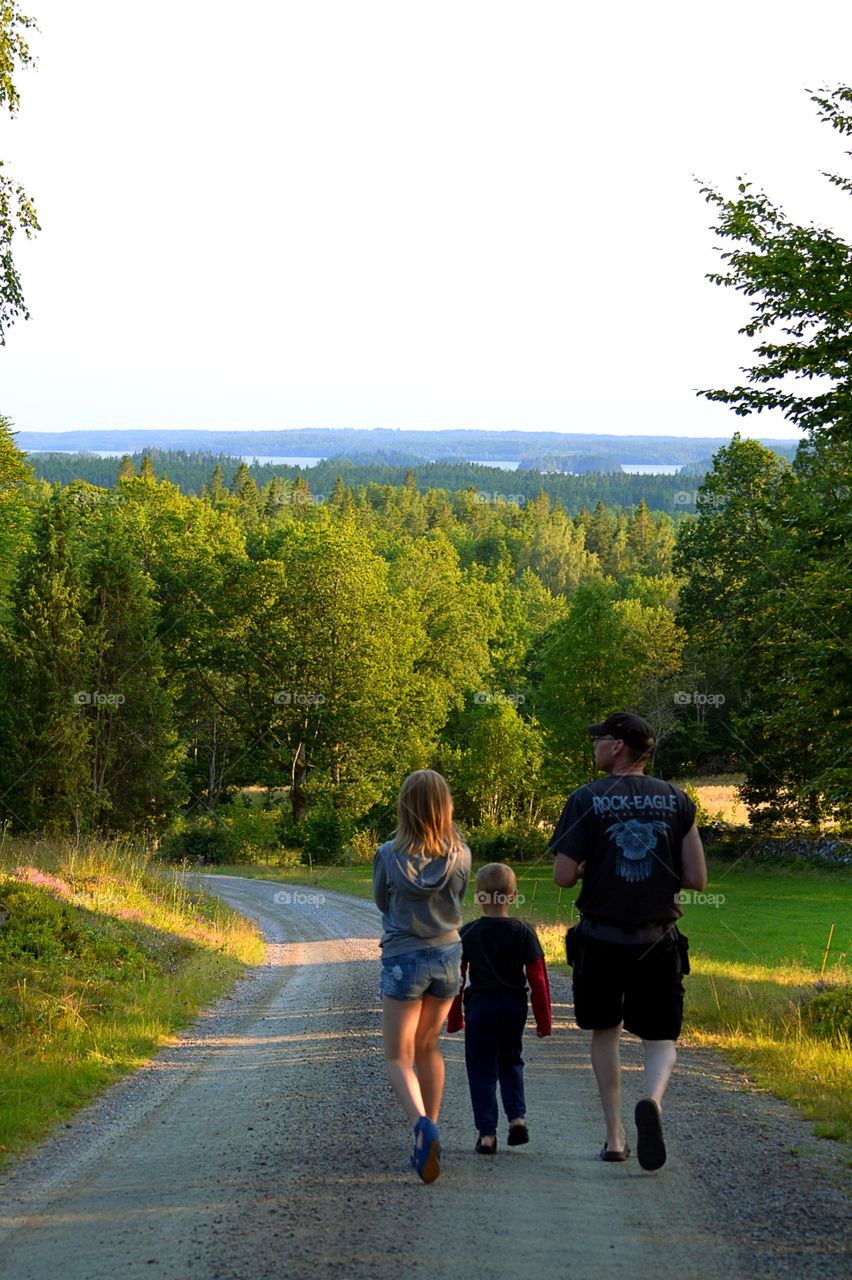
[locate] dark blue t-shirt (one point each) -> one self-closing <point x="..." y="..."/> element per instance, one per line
<point x="628" y="829"/>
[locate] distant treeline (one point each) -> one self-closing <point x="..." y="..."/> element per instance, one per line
<point x="193" y="472"/>
<point x="401" y="446"/>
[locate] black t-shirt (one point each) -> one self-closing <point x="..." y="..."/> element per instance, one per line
<point x="628" y="829"/>
<point x="497" y="948"/>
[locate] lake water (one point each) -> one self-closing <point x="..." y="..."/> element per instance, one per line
<point x="293" y="460"/>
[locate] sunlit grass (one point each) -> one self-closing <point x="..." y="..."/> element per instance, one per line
<point x="148" y="953"/>
<point x="720" y="797"/>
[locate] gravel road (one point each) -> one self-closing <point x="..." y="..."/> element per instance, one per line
<point x="265" y="1142"/>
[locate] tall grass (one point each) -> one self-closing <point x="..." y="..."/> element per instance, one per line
<point x="106" y="954"/>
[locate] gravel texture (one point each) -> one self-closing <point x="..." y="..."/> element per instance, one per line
<point x="265" y="1142"/>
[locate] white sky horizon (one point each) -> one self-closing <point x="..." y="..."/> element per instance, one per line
<point x="477" y="216"/>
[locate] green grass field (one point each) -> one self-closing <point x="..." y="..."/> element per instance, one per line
<point x="767" y="915"/>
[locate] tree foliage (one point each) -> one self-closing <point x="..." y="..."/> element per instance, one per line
<point x="767" y="600"/>
<point x="17" y="211"/>
<point x="798" y="280"/>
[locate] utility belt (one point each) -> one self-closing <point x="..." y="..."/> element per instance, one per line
<point x="642" y="935"/>
<point x="606" y="931"/>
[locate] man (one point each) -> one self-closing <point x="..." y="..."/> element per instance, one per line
<point x="633" y="842"/>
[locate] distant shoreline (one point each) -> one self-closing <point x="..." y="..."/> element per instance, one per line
<point x="544" y="451"/>
<point x="297" y="460"/>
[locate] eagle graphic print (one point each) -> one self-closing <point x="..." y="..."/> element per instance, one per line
<point x="636" y="841"/>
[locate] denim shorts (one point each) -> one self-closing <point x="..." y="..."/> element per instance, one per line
<point x="432" y="971"/>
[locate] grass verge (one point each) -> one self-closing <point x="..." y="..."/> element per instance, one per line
<point x="104" y="957"/>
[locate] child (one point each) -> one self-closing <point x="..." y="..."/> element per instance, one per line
<point x="420" y="876"/>
<point x="502" y="955"/>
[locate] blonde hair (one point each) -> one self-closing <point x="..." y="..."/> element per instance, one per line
<point x="425" y="815"/>
<point x="494" y="881"/>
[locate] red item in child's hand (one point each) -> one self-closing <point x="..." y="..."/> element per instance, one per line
<point x="455" y="1018"/>
<point x="540" y="996"/>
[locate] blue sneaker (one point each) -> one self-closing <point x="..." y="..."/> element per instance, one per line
<point x="425" y="1155"/>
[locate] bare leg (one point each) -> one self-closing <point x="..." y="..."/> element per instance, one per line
<point x="399" y="1026"/>
<point x="660" y="1057"/>
<point x="427" y="1053"/>
<point x="606" y="1061"/>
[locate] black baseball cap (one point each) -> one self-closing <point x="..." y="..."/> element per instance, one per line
<point x="633" y="730"/>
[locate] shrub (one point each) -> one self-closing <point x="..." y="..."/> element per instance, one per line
<point x="205" y="839"/>
<point x="829" y="1014"/>
<point x="41" y="927"/>
<point x="509" y="843"/>
<point x="38" y="925"/>
<point x="252" y="831"/>
<point x="363" y="846"/>
<point x="291" y="832"/>
<point x="327" y="833"/>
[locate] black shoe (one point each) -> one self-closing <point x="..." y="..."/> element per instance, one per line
<point x="650" y="1148"/>
<point x="518" y="1135"/>
<point x="485" y="1151"/>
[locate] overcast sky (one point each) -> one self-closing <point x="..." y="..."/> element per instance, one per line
<point x="380" y="213"/>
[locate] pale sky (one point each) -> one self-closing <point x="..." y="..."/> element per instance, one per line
<point x="380" y="213"/>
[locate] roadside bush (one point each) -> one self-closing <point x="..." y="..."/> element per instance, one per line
<point x="509" y="843"/>
<point x="291" y="832"/>
<point x="363" y="846"/>
<point x="42" y="928"/>
<point x="829" y="1014"/>
<point x="38" y="924"/>
<point x="204" y="839"/>
<point x="327" y="833"/>
<point x="252" y="832"/>
<point x="235" y="833"/>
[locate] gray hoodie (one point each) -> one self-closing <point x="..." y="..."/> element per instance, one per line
<point x="419" y="897"/>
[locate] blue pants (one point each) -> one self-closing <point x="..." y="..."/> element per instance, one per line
<point x="493" y="1039"/>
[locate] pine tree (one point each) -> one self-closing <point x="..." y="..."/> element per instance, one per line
<point x="133" y="748"/>
<point x="47" y="674"/>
